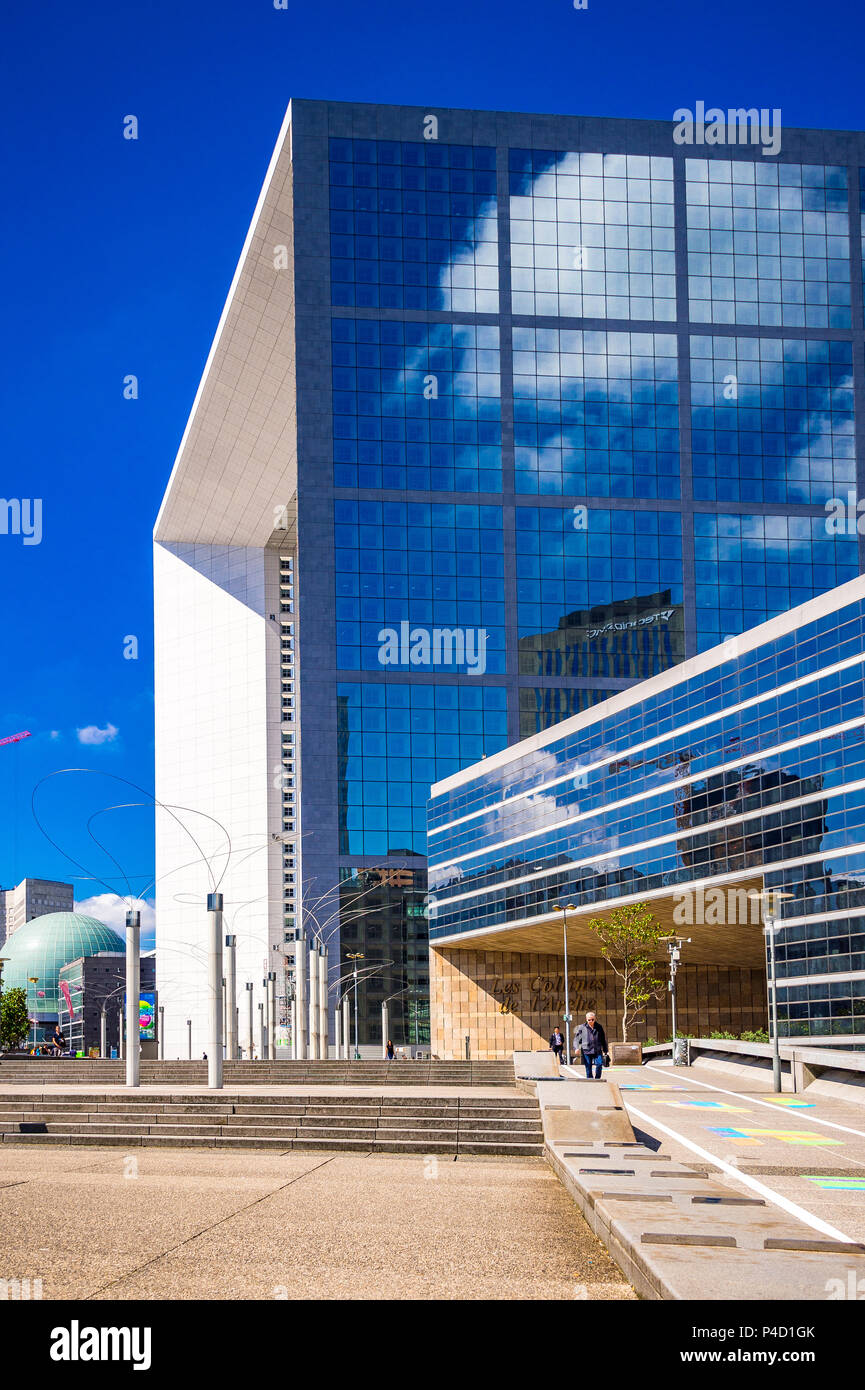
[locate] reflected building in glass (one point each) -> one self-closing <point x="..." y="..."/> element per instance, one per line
<point x="504" y="413"/>
<point x="737" y="772"/>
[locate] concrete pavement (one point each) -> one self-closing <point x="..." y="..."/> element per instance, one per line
<point x="175" y="1224"/>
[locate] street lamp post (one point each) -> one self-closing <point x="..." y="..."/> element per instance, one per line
<point x="133" y="998"/>
<point x="355" y="956"/>
<point x="674" y="946"/>
<point x="3" y="960"/>
<point x="231" y="997"/>
<point x="189" y="1037"/>
<point x="34" y="980"/>
<point x="251" y="1025"/>
<point x="214" y="1041"/>
<point x="162" y="1032"/>
<point x="565" y="908"/>
<point x="769" y="899"/>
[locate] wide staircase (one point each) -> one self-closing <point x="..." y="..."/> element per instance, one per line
<point x="45" y="1071"/>
<point x="383" y="1123"/>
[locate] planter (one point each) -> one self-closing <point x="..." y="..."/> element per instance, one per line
<point x="626" y="1054"/>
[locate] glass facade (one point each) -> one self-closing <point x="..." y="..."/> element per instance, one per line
<point x="771" y="419"/>
<point x="768" y="243"/>
<point x="569" y="443"/>
<point x="592" y="235"/>
<point x="595" y="414"/>
<point x="752" y="764"/>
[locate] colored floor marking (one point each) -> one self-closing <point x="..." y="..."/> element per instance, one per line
<point x="703" y="1105"/>
<point x="632" y="1087"/>
<point x="791" y="1103"/>
<point x="786" y="1136"/>
<point x="839" y="1184"/>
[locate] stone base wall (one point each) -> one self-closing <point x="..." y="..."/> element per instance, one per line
<point x="505" y="1001"/>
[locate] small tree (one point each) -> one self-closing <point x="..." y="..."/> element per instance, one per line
<point x="14" y="1017"/>
<point x="629" y="938"/>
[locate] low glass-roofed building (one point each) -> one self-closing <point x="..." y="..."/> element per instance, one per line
<point x="741" y="770"/>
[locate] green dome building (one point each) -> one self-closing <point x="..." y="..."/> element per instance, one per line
<point x="43" y="946"/>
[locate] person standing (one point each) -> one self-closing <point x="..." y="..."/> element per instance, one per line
<point x="59" y="1041"/>
<point x="557" y="1043"/>
<point x="388" y="1052"/>
<point x="591" y="1043"/>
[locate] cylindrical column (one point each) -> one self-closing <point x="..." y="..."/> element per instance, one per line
<point x="346" y="1026"/>
<point x="250" y="1034"/>
<point x="262" y="1027"/>
<point x="231" y="996"/>
<point x="189" y="1038"/>
<point x="300" y="997"/>
<point x="121" y="1020"/>
<point x="214" y="1048"/>
<point x="133" y="998"/>
<point x="161" y="1032"/>
<point x="271" y="1010"/>
<point x="103" y="1034"/>
<point x="385" y="1027"/>
<point x="322" y="1002"/>
<point x="313" y="1001"/>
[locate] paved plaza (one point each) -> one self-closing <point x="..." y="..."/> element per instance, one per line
<point x="178" y="1224"/>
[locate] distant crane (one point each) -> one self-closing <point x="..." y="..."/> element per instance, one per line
<point x="16" y="738"/>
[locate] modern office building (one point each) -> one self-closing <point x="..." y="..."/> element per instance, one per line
<point x="33" y="897"/>
<point x="97" y="984"/>
<point x="503" y="413"/>
<point x="740" y="771"/>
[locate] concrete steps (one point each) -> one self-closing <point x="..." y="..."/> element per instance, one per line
<point x="26" y="1070"/>
<point x="377" y="1123"/>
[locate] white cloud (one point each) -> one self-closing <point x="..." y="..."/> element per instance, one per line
<point x="112" y="909"/>
<point x="93" y="734"/>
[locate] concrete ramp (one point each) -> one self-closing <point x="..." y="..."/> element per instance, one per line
<point x="584" y="1111"/>
<point x="536" y="1066"/>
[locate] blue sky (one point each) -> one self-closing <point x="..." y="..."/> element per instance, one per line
<point x="118" y="256"/>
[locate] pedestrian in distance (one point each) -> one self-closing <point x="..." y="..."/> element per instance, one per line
<point x="591" y="1044"/>
<point x="388" y="1052"/>
<point x="59" y="1042"/>
<point x="557" y="1043"/>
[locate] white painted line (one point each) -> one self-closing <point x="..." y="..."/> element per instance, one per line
<point x="774" y="1197"/>
<point x="746" y="1095"/>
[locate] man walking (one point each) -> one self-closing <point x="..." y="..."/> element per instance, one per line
<point x="557" y="1043"/>
<point x="591" y="1043"/>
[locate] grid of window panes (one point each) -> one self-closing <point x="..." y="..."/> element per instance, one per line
<point x="748" y="683"/>
<point x="543" y="706"/>
<point x="575" y="558"/>
<point x="768" y="243"/>
<point x="834" y="1009"/>
<point x="413" y="226"/>
<point x="673" y="787"/>
<point x="596" y="414"/>
<point x="416" y="406"/>
<point x="751" y="568"/>
<point x="394" y="740"/>
<point x="771" y="419"/>
<point x="592" y="235"/>
<point x="405" y="569"/>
